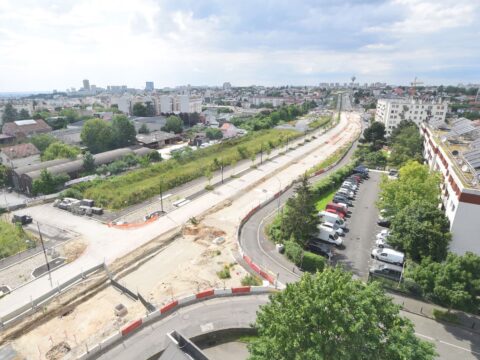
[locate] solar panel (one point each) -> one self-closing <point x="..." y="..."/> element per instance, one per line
<point x="473" y="158"/>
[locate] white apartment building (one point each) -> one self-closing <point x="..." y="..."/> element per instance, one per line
<point x="391" y="112"/>
<point x="275" y="101"/>
<point x="187" y="104"/>
<point x="165" y="104"/>
<point x="458" y="162"/>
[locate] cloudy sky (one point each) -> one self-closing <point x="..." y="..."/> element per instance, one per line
<point x="54" y="44"/>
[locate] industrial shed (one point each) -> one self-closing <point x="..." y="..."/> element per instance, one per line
<point x="73" y="168"/>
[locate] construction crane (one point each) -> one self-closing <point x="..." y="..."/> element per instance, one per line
<point x="414" y="85"/>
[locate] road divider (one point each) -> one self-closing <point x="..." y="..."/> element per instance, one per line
<point x="166" y="310"/>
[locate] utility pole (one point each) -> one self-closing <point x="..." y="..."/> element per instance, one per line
<point x="221" y="168"/>
<point x="261" y="154"/>
<point x="161" y="194"/>
<point x="45" y="253"/>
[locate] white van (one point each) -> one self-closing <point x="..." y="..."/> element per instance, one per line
<point x="331" y="217"/>
<point x="332" y="226"/>
<point x="329" y="236"/>
<point x="389" y="255"/>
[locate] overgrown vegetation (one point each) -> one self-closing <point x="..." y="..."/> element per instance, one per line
<point x="224" y="273"/>
<point x="12" y="239"/>
<point x="268" y="119"/>
<point x="251" y="280"/>
<point x="59" y="150"/>
<point x="139" y="185"/>
<point x="48" y="183"/>
<point x="405" y="144"/>
<point x="321" y="121"/>
<point x="328" y="316"/>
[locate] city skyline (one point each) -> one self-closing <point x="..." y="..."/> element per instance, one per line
<point x="55" y="44"/>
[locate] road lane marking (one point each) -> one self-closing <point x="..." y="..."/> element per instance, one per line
<point x="447" y="343"/>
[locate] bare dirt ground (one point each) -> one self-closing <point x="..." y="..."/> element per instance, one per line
<point x="78" y="326"/>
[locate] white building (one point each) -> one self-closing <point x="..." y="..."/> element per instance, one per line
<point x="391" y="112"/>
<point x="187" y="104"/>
<point x="275" y="101"/>
<point x="456" y="155"/>
<point x="165" y="104"/>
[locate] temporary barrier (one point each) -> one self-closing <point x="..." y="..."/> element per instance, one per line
<point x="131" y="327"/>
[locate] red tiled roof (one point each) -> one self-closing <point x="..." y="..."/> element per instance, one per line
<point x="16" y="128"/>
<point x="20" y="151"/>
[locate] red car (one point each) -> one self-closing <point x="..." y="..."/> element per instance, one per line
<point x="339" y="209"/>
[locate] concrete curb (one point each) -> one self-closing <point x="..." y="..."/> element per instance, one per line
<point x="165" y="311"/>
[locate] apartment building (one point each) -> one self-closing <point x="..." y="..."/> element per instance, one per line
<point x="391" y="112"/>
<point x="455" y="153"/>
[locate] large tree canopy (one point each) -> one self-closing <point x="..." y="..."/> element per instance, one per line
<point x="421" y="229"/>
<point x="97" y="135"/>
<point x="415" y="182"/>
<point x="406" y="144"/>
<point x="123" y="131"/>
<point x="174" y="124"/>
<point x="330" y="316"/>
<point x="375" y="133"/>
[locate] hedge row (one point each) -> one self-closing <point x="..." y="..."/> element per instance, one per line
<point x="307" y="260"/>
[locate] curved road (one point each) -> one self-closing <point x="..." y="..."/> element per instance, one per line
<point x="197" y="319"/>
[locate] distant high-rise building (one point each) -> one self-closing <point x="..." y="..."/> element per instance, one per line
<point x="227" y="86"/>
<point x="149" y="86"/>
<point x="86" y="84"/>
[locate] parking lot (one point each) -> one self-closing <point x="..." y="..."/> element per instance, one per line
<point x="361" y="230"/>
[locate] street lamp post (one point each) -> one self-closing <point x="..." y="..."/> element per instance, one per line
<point x="45" y="253"/>
<point x="161" y="194"/>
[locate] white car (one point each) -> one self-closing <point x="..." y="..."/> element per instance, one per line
<point x="332" y="226"/>
<point x="383" y="234"/>
<point x="388" y="255"/>
<point x="382" y="243"/>
<point x="329" y="236"/>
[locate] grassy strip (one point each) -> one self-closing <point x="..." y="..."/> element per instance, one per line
<point x="139" y="185"/>
<point x="322" y="121"/>
<point x="325" y="199"/>
<point x="446" y="316"/>
<point x="12" y="239"/>
<point x="332" y="159"/>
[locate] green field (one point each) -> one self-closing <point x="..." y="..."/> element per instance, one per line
<point x="12" y="239"/>
<point x="132" y="188"/>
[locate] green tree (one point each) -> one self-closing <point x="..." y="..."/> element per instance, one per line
<point x="23" y="114"/>
<point x="143" y="129"/>
<point x="139" y="109"/>
<point x="454" y="283"/>
<point x="9" y="113"/>
<point x="123" y="131"/>
<point x="300" y="218"/>
<point x="149" y="109"/>
<point x="421" y="229"/>
<point x="375" y="134"/>
<point x="415" y="182"/>
<point x="330" y="316"/>
<point x="97" y="135"/>
<point x="173" y="124"/>
<point x="59" y="150"/>
<point x="42" y="141"/>
<point x="88" y="163"/>
<point x="406" y="144"/>
<point x="48" y="183"/>
<point x="3" y="175"/>
<point x="213" y="133"/>
<point x="71" y="115"/>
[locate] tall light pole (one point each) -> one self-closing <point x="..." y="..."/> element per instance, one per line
<point x="45" y="253"/>
<point x="161" y="194"/>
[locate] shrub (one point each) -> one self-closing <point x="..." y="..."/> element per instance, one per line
<point x="72" y="193"/>
<point x="312" y="262"/>
<point x="251" y="280"/>
<point x="224" y="273"/>
<point x="293" y="251"/>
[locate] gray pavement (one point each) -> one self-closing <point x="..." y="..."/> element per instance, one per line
<point x="362" y="228"/>
<point x="231" y="350"/>
<point x="207" y="316"/>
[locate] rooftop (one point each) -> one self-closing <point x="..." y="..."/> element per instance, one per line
<point x="460" y="140"/>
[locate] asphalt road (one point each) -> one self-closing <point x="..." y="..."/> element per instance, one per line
<point x="207" y="316"/>
<point x="261" y="250"/>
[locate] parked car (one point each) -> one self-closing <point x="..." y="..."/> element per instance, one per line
<point x="338" y="208"/>
<point x="382" y="243"/>
<point x="332" y="211"/>
<point x="339" y="198"/>
<point x="320" y="248"/>
<point x="392" y="272"/>
<point x="362" y="171"/>
<point x="22" y="219"/>
<point x="357" y="178"/>
<point x="349" y="185"/>
<point x="383" y="234"/>
<point x="388" y="255"/>
<point x="327" y="216"/>
<point x="347" y="192"/>
<point x="332" y="226"/>
<point x="330" y="237"/>
<point x="384" y="222"/>
<point x="393" y="174"/>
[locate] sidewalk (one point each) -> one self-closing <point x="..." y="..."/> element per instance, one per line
<point x="415" y="306"/>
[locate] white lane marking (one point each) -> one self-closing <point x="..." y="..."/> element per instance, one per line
<point x="447" y="343"/>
